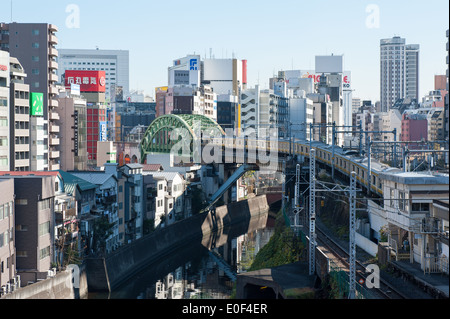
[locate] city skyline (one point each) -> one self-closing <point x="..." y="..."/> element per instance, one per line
<point x="158" y="33"/>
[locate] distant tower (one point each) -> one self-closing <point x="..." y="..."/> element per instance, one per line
<point x="399" y="71"/>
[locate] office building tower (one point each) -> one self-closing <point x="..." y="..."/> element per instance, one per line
<point x="115" y="64"/>
<point x="33" y="44"/>
<point x="399" y="71"/>
<point x="412" y="71"/>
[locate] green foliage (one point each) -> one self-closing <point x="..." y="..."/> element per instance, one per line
<point x="197" y="201"/>
<point x="148" y="226"/>
<point x="102" y="230"/>
<point x="283" y="248"/>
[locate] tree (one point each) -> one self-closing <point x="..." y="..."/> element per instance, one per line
<point x="101" y="231"/>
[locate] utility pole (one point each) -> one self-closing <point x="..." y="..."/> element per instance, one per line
<point x="333" y="141"/>
<point x="352" y="248"/>
<point x="297" y="196"/>
<point x="283" y="186"/>
<point x="312" y="212"/>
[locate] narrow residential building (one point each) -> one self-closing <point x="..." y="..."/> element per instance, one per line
<point x="8" y="278"/>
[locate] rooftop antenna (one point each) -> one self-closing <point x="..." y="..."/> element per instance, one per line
<point x="11" y="11"/>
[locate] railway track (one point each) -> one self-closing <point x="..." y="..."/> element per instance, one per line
<point x="386" y="291"/>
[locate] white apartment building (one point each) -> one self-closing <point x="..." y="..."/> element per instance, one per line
<point x="408" y="201"/>
<point x="205" y="102"/>
<point x="264" y="113"/>
<point x="38" y="149"/>
<point x="169" y="197"/>
<point x="391" y="120"/>
<point x="4" y="112"/>
<point x="115" y="63"/>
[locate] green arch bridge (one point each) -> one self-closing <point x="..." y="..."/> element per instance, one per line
<point x="157" y="138"/>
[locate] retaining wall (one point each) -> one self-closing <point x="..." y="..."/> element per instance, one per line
<point x="60" y="286"/>
<point x="105" y="274"/>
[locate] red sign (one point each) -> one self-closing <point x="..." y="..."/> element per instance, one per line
<point x="89" y="81"/>
<point x="3" y="67"/>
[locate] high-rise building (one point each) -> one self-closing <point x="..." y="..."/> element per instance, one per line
<point x="20" y="118"/>
<point x="412" y="71"/>
<point x="33" y="44"/>
<point x="446" y="113"/>
<point x="399" y="71"/>
<point x="4" y="112"/>
<point x="115" y="63"/>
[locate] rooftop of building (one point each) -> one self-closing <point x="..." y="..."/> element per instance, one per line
<point x="94" y="177"/>
<point x="71" y="182"/>
<point x="152" y="167"/>
<point x="418" y="178"/>
<point x="30" y="174"/>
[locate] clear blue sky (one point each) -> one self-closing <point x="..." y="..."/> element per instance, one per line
<point x="271" y="35"/>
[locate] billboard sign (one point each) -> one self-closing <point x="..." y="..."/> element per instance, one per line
<point x="329" y="64"/>
<point x="75" y="133"/>
<point x="193" y="64"/>
<point x="75" y="89"/>
<point x="347" y="80"/>
<point x="89" y="81"/>
<point x="36" y="104"/>
<point x="103" y="132"/>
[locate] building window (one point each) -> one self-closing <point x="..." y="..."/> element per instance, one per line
<point x="44" y="229"/>
<point x="21" y="202"/>
<point x="44" y="204"/>
<point x="44" y="253"/>
<point x="35" y="45"/>
<point x="35" y="32"/>
<point x="21" y="253"/>
<point x="21" y="228"/>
